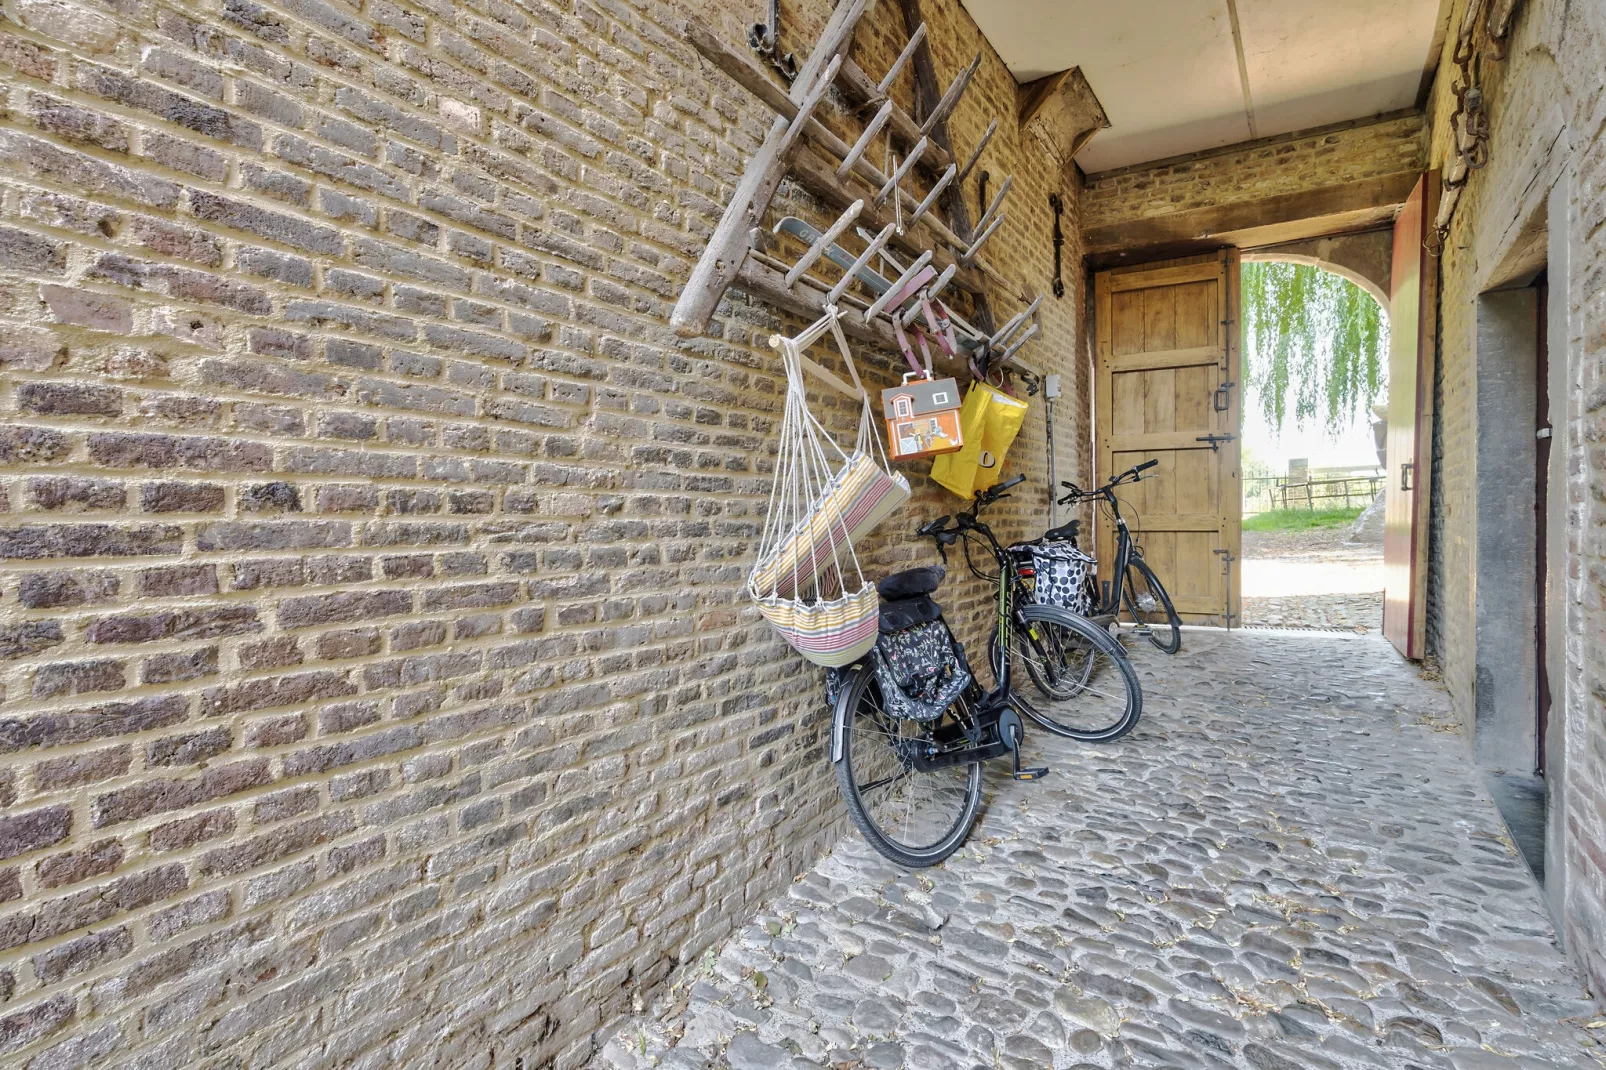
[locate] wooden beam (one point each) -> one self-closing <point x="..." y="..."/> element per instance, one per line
<point x="927" y="97"/>
<point x="1365" y="196"/>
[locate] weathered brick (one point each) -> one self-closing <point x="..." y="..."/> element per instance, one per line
<point x="51" y="590"/>
<point x="29" y="637"/>
<point x="272" y="846"/>
<point x="169" y="497"/>
<point x="75" y="493"/>
<point x="77" y="678"/>
<point x="276" y="691"/>
<point x="95" y="860"/>
<point x="30" y="831"/>
<point x="189" y="748"/>
<point x="189" y="831"/>
<point x="91" y="722"/>
<point x="275" y="226"/>
<point x="159" y="796"/>
<point x="341" y="608"/>
<point x="175" y="668"/>
<point x="181" y="624"/>
<point x="83" y="308"/>
<point x="23" y="250"/>
<point x="178" y="580"/>
<point x="76" y="770"/>
<point x="124" y="450"/>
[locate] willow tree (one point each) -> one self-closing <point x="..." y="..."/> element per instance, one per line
<point x="1313" y="339"/>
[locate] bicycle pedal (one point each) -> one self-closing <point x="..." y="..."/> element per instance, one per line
<point x="1037" y="773"/>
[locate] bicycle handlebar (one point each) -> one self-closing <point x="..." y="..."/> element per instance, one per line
<point x="1130" y="475"/>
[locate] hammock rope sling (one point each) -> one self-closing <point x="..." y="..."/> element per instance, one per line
<point x="806" y="580"/>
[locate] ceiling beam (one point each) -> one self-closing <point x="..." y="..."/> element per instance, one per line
<point x="1243" y="68"/>
<point x="1284" y="217"/>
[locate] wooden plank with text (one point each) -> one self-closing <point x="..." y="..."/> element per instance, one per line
<point x="1168" y="373"/>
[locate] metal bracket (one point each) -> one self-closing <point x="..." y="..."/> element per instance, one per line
<point x="765" y="40"/>
<point x="1058" y="205"/>
<point x="1405" y="475"/>
<point x="1223" y="398"/>
<point x="1215" y="445"/>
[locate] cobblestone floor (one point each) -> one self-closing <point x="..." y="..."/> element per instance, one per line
<point x="1288" y="865"/>
<point x="1360" y="613"/>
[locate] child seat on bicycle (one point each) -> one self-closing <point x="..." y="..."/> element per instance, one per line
<point x="919" y="665"/>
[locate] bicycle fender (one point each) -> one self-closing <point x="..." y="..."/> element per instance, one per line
<point x="840" y="712"/>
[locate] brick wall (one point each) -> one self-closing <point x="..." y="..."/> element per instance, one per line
<point x="1548" y="113"/>
<point x="1289" y="163"/>
<point x="377" y="688"/>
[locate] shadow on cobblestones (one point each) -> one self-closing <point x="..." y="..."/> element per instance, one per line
<point x="1288" y="865"/>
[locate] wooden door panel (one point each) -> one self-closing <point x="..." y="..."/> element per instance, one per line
<point x="1166" y="343"/>
<point x="1412" y="351"/>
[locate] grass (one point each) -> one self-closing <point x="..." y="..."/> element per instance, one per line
<point x="1300" y="519"/>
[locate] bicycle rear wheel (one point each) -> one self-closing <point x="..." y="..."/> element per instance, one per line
<point x="1151" y="607"/>
<point x="1101" y="701"/>
<point x="912" y="815"/>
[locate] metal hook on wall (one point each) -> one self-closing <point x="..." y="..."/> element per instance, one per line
<point x="1058" y="205"/>
<point x="766" y="39"/>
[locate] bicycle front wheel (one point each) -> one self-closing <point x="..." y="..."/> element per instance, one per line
<point x="912" y="814"/>
<point x="1094" y="694"/>
<point x="1151" y="607"/>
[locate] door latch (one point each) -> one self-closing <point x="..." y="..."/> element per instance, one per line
<point x="1223" y="400"/>
<point x="1215" y="440"/>
<point x="1406" y="469"/>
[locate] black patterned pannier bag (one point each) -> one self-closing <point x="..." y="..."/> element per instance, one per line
<point x="920" y="666"/>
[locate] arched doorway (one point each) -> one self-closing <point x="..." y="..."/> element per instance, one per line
<point x="1315" y="363"/>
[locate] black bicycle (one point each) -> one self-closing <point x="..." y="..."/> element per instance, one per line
<point x="911" y="777"/>
<point x="1135" y="583"/>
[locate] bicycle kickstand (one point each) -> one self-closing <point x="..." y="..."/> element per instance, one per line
<point x="1012" y="733"/>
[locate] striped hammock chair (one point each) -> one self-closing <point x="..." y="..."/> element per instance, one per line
<point x="806" y="580"/>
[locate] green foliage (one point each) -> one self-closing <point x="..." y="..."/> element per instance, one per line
<point x="1300" y="519"/>
<point x="1315" y="338"/>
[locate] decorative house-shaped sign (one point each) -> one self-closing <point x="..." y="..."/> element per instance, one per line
<point x="922" y="418"/>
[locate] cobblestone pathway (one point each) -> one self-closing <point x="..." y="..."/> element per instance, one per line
<point x="1287" y="866"/>
<point x="1359" y="613"/>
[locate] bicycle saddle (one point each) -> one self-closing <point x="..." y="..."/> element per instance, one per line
<point x="1067" y="530"/>
<point x="911" y="583"/>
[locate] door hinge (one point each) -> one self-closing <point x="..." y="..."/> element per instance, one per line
<point x="1406" y="469"/>
<point x="1543" y="432"/>
<point x="1216" y="440"/>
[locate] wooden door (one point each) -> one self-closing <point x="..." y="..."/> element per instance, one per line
<point x="1413" y="307"/>
<point x="1168" y="375"/>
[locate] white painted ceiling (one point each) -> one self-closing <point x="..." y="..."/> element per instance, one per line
<point x="1168" y="72"/>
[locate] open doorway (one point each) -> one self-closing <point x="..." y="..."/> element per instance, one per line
<point x="1512" y="689"/>
<point x="1315" y="344"/>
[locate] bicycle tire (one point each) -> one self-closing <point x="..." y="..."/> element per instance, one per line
<point x="860" y="688"/>
<point x="1053" y="716"/>
<point x="1166" y="637"/>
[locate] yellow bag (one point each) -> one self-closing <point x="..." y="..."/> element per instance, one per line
<point x="957" y="471"/>
<point x="1001" y="422"/>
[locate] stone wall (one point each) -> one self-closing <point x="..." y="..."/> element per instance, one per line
<point x="1289" y="163"/>
<point x="1548" y="112"/>
<point x="377" y="689"/>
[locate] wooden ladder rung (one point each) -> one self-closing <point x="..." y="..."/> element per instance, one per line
<point x="950" y="99"/>
<point x="864" y="259"/>
<point x="903" y="170"/>
<point x="903" y="57"/>
<point x="975" y="154"/>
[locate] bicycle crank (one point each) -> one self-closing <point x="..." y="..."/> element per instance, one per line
<point x="1011" y="733"/>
